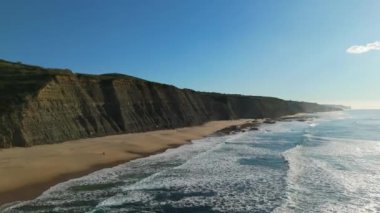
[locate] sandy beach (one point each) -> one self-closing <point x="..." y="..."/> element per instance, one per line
<point x="27" y="172"/>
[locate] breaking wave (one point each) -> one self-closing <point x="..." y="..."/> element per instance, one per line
<point x="326" y="164"/>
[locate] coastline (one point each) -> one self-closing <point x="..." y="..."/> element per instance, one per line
<point x="27" y="172"/>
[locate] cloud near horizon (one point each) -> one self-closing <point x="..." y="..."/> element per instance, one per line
<point x="359" y="49"/>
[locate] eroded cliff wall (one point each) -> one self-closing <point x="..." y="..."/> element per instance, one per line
<point x="40" y="106"/>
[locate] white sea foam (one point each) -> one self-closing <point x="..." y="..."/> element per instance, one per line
<point x="213" y="178"/>
<point x="245" y="172"/>
<point x="338" y="175"/>
<point x="216" y="172"/>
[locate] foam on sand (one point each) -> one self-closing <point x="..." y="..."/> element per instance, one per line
<point x="290" y="166"/>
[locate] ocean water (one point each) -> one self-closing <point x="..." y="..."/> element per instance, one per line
<point x="329" y="163"/>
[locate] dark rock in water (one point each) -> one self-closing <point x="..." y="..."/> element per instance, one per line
<point x="228" y="130"/>
<point x="249" y="126"/>
<point x="41" y="106"/>
<point x="269" y="121"/>
<point x="300" y="118"/>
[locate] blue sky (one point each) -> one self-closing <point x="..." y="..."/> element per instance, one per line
<point x="284" y="48"/>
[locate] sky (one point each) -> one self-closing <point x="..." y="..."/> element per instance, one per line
<point x="308" y="50"/>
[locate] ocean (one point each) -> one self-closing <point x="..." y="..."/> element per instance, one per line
<point x="328" y="163"/>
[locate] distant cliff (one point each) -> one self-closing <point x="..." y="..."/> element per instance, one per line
<point x="41" y="106"/>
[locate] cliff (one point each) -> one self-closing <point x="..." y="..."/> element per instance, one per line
<point x="40" y="106"/>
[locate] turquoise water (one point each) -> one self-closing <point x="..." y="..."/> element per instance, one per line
<point x="330" y="163"/>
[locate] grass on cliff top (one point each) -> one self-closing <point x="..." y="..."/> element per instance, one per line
<point x="114" y="76"/>
<point x="18" y="81"/>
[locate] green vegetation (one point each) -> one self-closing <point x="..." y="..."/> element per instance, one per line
<point x="17" y="81"/>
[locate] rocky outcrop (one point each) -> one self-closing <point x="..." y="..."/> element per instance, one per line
<point x="40" y="106"/>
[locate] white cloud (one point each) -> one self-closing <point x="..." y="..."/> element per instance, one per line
<point x="359" y="49"/>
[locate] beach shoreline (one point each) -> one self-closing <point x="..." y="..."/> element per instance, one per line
<point x="27" y="172"/>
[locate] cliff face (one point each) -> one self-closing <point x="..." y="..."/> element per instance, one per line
<point x="40" y="106"/>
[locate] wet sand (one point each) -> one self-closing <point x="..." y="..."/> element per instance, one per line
<point x="27" y="172"/>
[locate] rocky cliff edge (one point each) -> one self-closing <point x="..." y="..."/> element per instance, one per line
<point x="42" y="106"/>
